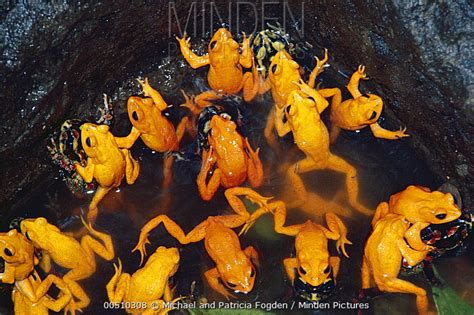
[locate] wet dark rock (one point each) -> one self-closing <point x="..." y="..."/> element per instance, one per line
<point x="58" y="59"/>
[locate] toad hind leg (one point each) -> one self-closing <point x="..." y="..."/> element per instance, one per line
<point x="250" y="84"/>
<point x="340" y="165"/>
<point x="268" y="131"/>
<point x="57" y="304"/>
<point x="93" y="206"/>
<point x="167" y="171"/>
<point x="181" y="128"/>
<point x="168" y="158"/>
<point x="132" y="167"/>
<point x="254" y="167"/>
<point x="334" y="133"/>
<point x="367" y="291"/>
<point x="395" y="285"/>
<point x="91" y="245"/>
<point x="279" y="212"/>
<point x="337" y="231"/>
<point x="212" y="277"/>
<point x="79" y="294"/>
<point x="303" y="166"/>
<point x="232" y="196"/>
<point x="197" y="234"/>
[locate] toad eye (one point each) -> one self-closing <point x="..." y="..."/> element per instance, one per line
<point x="252" y="273"/>
<point x="373" y="116"/>
<point x="27" y="236"/>
<point x="288" y="108"/>
<point x="327" y="269"/>
<point x="135" y="115"/>
<point x="230" y="284"/>
<point x="88" y="142"/>
<point x="441" y="216"/>
<point x="302" y="271"/>
<point x="312" y="98"/>
<point x="213" y="44"/>
<point x="8" y="252"/>
<point x="274" y="69"/>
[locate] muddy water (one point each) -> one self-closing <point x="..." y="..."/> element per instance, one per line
<point x="384" y="167"/>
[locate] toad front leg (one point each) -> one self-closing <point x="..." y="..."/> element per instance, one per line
<point x="291" y="264"/>
<point x="269" y="126"/>
<point x="149" y="91"/>
<point x="194" y="60"/>
<point x="252" y="254"/>
<point x="87" y="172"/>
<point x="282" y="128"/>
<point x="335" y="263"/>
<point x="413" y="237"/>
<point x="213" y="278"/>
<point x="128" y="141"/>
<point x="246" y="56"/>
<point x="318" y="68"/>
<point x="382" y="133"/>
<point x="353" y="86"/>
<point x="8" y="276"/>
<point x="319" y="99"/>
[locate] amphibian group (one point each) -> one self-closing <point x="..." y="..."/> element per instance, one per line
<point x="230" y="161"/>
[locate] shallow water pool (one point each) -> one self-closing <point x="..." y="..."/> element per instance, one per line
<point x="384" y="167"/>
